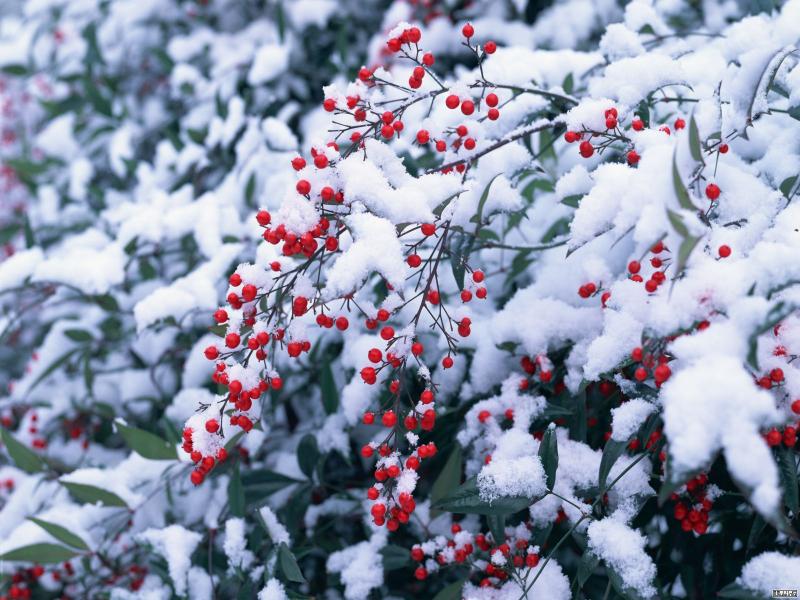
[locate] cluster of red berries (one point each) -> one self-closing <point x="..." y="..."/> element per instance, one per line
<point x="392" y="506"/>
<point x="649" y="365"/>
<point x="306" y="243"/>
<point x="692" y="507"/>
<point x="204" y="464"/>
<point x="787" y="436"/>
<point x="493" y="562"/>
<point x="530" y="366"/>
<point x="659" y="265"/>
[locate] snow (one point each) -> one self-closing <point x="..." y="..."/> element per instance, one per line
<point x="360" y="259"/>
<point x="270" y="61"/>
<point x="176" y="544"/>
<point x="629" y="417"/>
<point x="551" y="583"/>
<point x="275" y="528"/>
<point x="272" y="591"/>
<point x="622" y="548"/>
<point x="769" y="571"/>
<point x="360" y="566"/>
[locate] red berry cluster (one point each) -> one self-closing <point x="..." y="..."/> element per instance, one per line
<point x="491" y="563"/>
<point x="693" y="505"/>
<point x="204" y="464"/>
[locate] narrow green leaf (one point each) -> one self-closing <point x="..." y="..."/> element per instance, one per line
<point x="92" y="495"/>
<point x="680" y="190"/>
<point x="40" y="553"/>
<point x="466" y="499"/>
<point x="734" y="591"/>
<point x="573" y="201"/>
<point x="497" y="525"/>
<point x="548" y="454"/>
<point x="478" y="218"/>
<point x="308" y="454"/>
<point x="146" y="444"/>
<point x="788" y="473"/>
<point x="236" y="501"/>
<point x="25" y="458"/>
<point x="288" y="564"/>
<point x="395" y="557"/>
<point x="250" y="189"/>
<point x="451" y="592"/>
<point x="14" y="70"/>
<point x="694" y="141"/>
<point x="449" y="478"/>
<point x="62" y="534"/>
<point x="611" y="452"/>
<point x="78" y="335"/>
<point x="330" y="393"/>
<point x="53" y="366"/>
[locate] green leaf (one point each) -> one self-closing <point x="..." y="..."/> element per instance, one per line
<point x="586" y="567"/>
<point x="478" y="218"/>
<point x="14" y="70"/>
<point x="548" y="454"/>
<point x="92" y="495"/>
<point x="788" y="473"/>
<point x="288" y="564"/>
<point x="250" y="189"/>
<point x="737" y="592"/>
<point x="460" y="249"/>
<point x="449" y="477"/>
<point x="776" y="314"/>
<point x="395" y="557"/>
<point x="308" y="454"/>
<point x="789" y="186"/>
<point x="61" y="533"/>
<point x="145" y="443"/>
<point x="451" y="592"/>
<point x="497" y="525"/>
<point x="25" y="458"/>
<point x="40" y="553"/>
<point x="569" y="83"/>
<point x="236" y="501"/>
<point x="78" y="335"/>
<point x="330" y="393"/>
<point x="574" y="200"/>
<point x="466" y="499"/>
<point x="611" y="452"/>
<point x="106" y="302"/>
<point x="680" y="190"/>
<point x="694" y="141"/>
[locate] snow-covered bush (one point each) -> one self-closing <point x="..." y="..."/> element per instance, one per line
<point x="507" y="309"/>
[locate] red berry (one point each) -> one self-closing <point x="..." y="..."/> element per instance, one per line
<point x="586" y="149"/>
<point x="298" y="163"/>
<point x="452" y="101"/>
<point x="712" y="191"/>
<point x="428" y="229"/>
<point x="329" y="104"/>
<point x="679" y="124"/>
<point x="423" y="136"/>
<point x="492" y="100"/>
<point x="428" y="59"/>
<point x="421" y="573"/>
<point x="493" y="114"/>
<point x="303" y="187"/>
<point x="467" y="107"/>
<point x="389" y="419"/>
<point x="724" y="251"/>
<point x="490" y="47"/>
<point x="232" y="340"/>
<point x="632" y="157"/>
<point x="723" y="148"/>
<point x="468" y="30"/>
